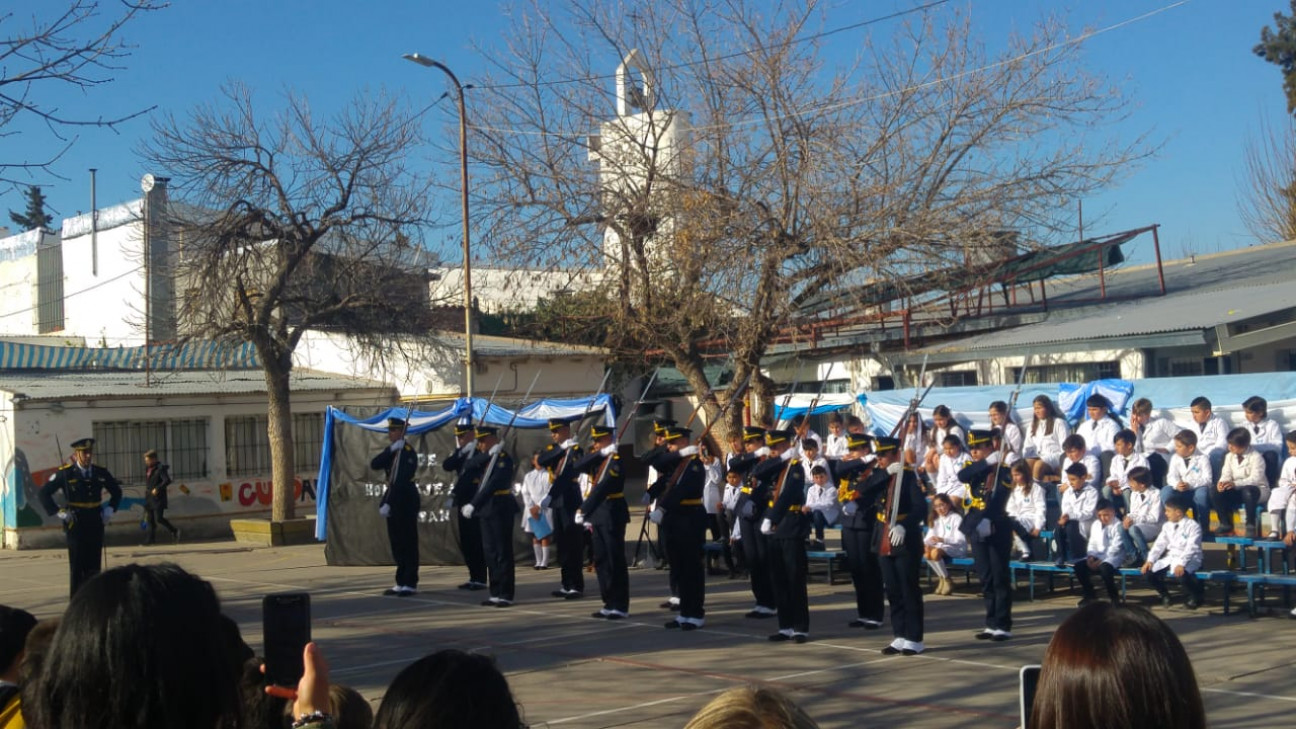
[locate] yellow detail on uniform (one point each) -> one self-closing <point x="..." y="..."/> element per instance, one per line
<point x="502" y="492"/>
<point x="615" y="496"/>
<point x="691" y="502"/>
<point x="746" y="490"/>
<point x="848" y="495"/>
<point x="793" y="507"/>
<point x="970" y="503"/>
<point x="899" y="517"/>
<point x="84" y="504"/>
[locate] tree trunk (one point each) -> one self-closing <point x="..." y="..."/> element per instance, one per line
<point x="279" y="430"/>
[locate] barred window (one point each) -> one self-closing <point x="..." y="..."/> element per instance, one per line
<point x="308" y="441"/>
<point x="247" y="446"/>
<point x="120" y="446"/>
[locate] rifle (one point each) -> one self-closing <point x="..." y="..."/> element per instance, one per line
<point x="490" y="401"/>
<point x="1003" y="442"/>
<point x="897" y="480"/>
<point x="562" y="465"/>
<point x="490" y="467"/>
<point x="737" y="396"/>
<point x="625" y="420"/>
<point x="800" y="433"/>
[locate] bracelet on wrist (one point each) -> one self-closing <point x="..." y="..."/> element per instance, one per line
<point x="310" y="718"/>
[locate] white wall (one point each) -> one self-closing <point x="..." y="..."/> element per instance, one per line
<point x="105" y="304"/>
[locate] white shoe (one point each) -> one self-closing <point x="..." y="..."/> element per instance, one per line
<point x="619" y="614"/>
<point x="1000" y="635"/>
<point x="1025" y="555"/>
<point x="699" y="622"/>
<point x="1293" y="612"/>
<point x="409" y="591"/>
<point x="912" y="647"/>
<point x="898" y="644"/>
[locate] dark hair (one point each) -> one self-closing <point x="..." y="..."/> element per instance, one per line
<point x="942" y="411"/>
<point x="1103" y="504"/>
<point x="932" y="516"/>
<point x="38" y="643"/>
<point x="1098" y="401"/>
<point x="15" y="624"/>
<point x="1239" y="437"/>
<point x="1201" y="403"/>
<point x="449" y="689"/>
<point x="835" y="417"/>
<point x="1256" y="404"/>
<point x="349" y="708"/>
<point x="1137" y="676"/>
<point x="1073" y="442"/>
<point x="148" y="639"/>
<point x="1077" y="469"/>
<point x="810" y="444"/>
<point x="953" y="440"/>
<point x="1186" y="437"/>
<point x="1291" y="436"/>
<point x="1126" y="436"/>
<point x="1023" y="468"/>
<point x="818" y="470"/>
<point x="1050" y="414"/>
<point x="1139" y="474"/>
<point x="998" y="406"/>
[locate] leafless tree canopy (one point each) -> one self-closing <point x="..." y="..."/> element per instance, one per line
<point x="1267" y="192"/>
<point x="797" y="175"/>
<point x="72" y="43"/>
<point x="290" y="224"/>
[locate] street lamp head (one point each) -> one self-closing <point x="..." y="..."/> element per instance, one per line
<point x="420" y="60"/>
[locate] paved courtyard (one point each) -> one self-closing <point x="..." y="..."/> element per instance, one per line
<point x="569" y="670"/>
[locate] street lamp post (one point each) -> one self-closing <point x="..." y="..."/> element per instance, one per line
<point x="463" y="183"/>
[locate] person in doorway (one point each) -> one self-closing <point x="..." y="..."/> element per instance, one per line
<point x="157" y="476"/>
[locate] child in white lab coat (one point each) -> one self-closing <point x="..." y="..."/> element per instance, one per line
<point x="1178" y="551"/>
<point x="944" y="541"/>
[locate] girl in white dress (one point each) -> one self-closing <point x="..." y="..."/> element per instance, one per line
<point x="535" y="486"/>
<point x="1026" y="508"/>
<point x="944" y="541"/>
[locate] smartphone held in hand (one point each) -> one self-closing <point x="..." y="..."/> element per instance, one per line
<point x="285" y="626"/>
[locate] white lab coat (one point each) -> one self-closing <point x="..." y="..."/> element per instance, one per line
<point x="535" y="487"/>
<point x="1011" y="433"/>
<point x="823" y="499"/>
<point x="1266" y="436"/>
<point x="1284" y="493"/>
<point x="1194" y="471"/>
<point x="1092" y="465"/>
<point x="1027" y="506"/>
<point x="835" y="446"/>
<point x="1046" y="446"/>
<point x="947" y="480"/>
<point x="1245" y="470"/>
<point x="1079" y="507"/>
<point x="1105" y="544"/>
<point x="1179" y="545"/>
<point x="944" y="534"/>
<point x="711" y="486"/>
<point x="1157" y="436"/>
<point x="1146" y="512"/>
<point x="809" y="466"/>
<point x="1212" y="436"/>
<point x="1120" y="468"/>
<point x="1099" y="435"/>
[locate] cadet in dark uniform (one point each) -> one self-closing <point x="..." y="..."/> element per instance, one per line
<point x="989" y="532"/>
<point x="752" y="502"/>
<point x="157" y="476"/>
<point x="787" y="526"/>
<point x="656" y="548"/>
<point x="682" y="520"/>
<point x="498" y="508"/>
<point x="400" y="507"/>
<point x="84" y="517"/>
<point x="560" y="458"/>
<point x="605" y="510"/>
<point x="462" y="492"/>
<point x="900" y="567"/>
<point x="859" y="497"/>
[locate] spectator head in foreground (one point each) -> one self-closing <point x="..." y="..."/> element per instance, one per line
<point x="140" y="646"/>
<point x="15" y="624"/>
<point x="449" y="689"/>
<point x="751" y="707"/>
<point x="1118" y="667"/>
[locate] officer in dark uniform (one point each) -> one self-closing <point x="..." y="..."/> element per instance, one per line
<point x="560" y="458"/>
<point x="989" y="533"/>
<point x="787" y="526"/>
<point x="750" y="508"/>
<point x="462" y="492"/>
<point x="656" y="548"/>
<point x="859" y="496"/>
<point x="492" y="470"/>
<point x="901" y="556"/>
<point x="606" y="512"/>
<point x="83" y="515"/>
<point x="157" y="477"/>
<point x="400" y="506"/>
<point x="682" y="520"/>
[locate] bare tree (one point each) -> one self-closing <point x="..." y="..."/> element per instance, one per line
<point x="292" y="225"/>
<point x="745" y="177"/>
<point x="75" y="43"/>
<point x="1267" y="191"/>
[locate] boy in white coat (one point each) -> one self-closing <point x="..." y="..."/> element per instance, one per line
<point x="1078" y="502"/>
<point x="1280" y="517"/>
<point x="1145" y="517"/>
<point x="1190" y="473"/>
<point x="1242" y="482"/>
<point x="821" y="502"/>
<point x="1178" y="551"/>
<point x="1104" y="555"/>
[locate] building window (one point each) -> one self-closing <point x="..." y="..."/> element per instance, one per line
<point x="247" y="444"/>
<point x="308" y="441"/>
<point x="957" y="378"/>
<point x="1074" y="372"/>
<point x="120" y="446"/>
<point x="49" y="289"/>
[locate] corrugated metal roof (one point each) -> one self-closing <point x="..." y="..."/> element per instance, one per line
<point x="487" y="346"/>
<point x="77" y="385"/>
<point x="1186" y="311"/>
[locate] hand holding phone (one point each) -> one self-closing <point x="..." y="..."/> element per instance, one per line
<point x="285" y="626"/>
<point x="1028" y="679"/>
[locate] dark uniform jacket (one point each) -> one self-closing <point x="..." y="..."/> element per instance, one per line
<point x="911" y="514"/>
<point x="155" y="486"/>
<point x="80" y="492"/>
<point x="753" y="491"/>
<point x="678" y="488"/>
<point x="784" y="482"/>
<point x="462" y="491"/>
<point x="401" y="493"/>
<point x="856" y="484"/>
<point x="494" y="498"/>
<point x="605" y="504"/>
<point x="564" y="489"/>
<point x="985" y="502"/>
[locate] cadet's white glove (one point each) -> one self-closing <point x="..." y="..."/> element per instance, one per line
<point x="687" y="451"/>
<point x="787" y="454"/>
<point x="467" y="511"/>
<point x="849" y="508"/>
<point x="468" y="447"/>
<point x="567" y="443"/>
<point x="495" y="448"/>
<point x="107" y="512"/>
<point x="761" y="452"/>
<point x="895" y="468"/>
<point x="397" y="445"/>
<point x="384" y="511"/>
<point x="580" y="518"/>
<point x="63" y="515"/>
<point x="748" y="510"/>
<point x="655" y="516"/>
<point x="608" y="450"/>
<point x="870" y="458"/>
<point x="897" y="535"/>
<point x="766" y="527"/>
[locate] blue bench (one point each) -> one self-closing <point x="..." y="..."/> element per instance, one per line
<point x="835" y="560"/>
<point x="1256" y="583"/>
<point x="1236" y="546"/>
<point x="1266" y="550"/>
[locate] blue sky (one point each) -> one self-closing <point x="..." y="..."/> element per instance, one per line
<point x="1196" y="86"/>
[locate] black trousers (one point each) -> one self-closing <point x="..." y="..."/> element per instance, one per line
<point x="610" y="566"/>
<point x="1226" y="502"/>
<point x="904" y="591"/>
<point x="497" y="543"/>
<point x="684" y="535"/>
<point x="755" y="547"/>
<point x="154" y="516"/>
<point x="1071" y="544"/>
<point x="1159" y="467"/>
<point x="788" y="569"/>
<point x="1191" y="586"/>
<point x="1106" y="571"/>
<point x="85" y="538"/>
<point x="866" y="574"/>
<point x="470" y="546"/>
<point x="402" y="534"/>
<point x="570" y="539"/>
<point x="991" y="557"/>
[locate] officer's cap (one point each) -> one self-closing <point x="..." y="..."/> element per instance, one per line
<point x="855" y="441"/>
<point x="675" y="433"/>
<point x="883" y="444"/>
<point x="774" y="437"/>
<point x="599" y="430"/>
<point x="977" y="438"/>
<point x="661" y="424"/>
<point x="85" y="444"/>
<point x="485" y="430"/>
<point x="753" y="432"/>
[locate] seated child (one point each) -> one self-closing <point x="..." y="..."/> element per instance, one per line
<point x="943" y="425"/>
<point x="1146" y="514"/>
<point x="835" y="444"/>
<point x="1211" y="432"/>
<point x="1279" y="521"/>
<point x="1074" y="449"/>
<point x="821" y="502"/>
<point x="1266" y="436"/>
<point x="952" y="460"/>
<point x="1177" y="550"/>
<point x="944" y="541"/>
<point x="1122" y="461"/>
<point x="810" y="457"/>
<point x="1078" y="502"/>
<point x="1190" y="473"/>
<point x="1242" y="481"/>
<point x="1026" y="508"/>
<point x="1104" y="554"/>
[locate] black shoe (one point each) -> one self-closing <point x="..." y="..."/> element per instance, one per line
<point x="1192" y="603"/>
<point x="865" y="624"/>
<point x="489" y="603"/>
<point x="758" y="615"/>
<point x="574" y="595"/>
<point x="890" y="651"/>
<point x="470" y="585"/>
<point x="1166" y="601"/>
<point x="999" y="637"/>
<point x="559" y="593"/>
<point x="909" y="652"/>
<point x="1060" y="562"/>
<point x="600" y="615"/>
<point x="614" y="616"/>
<point x="504" y="603"/>
<point x="779" y="637"/>
<point x="1086" y="600"/>
<point x="986" y="634"/>
<point x="800" y="638"/>
<point x="687" y="626"/>
<point x="393" y="591"/>
<point x="673" y="624"/>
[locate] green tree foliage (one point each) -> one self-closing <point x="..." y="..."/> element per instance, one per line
<point x="1278" y="45"/>
<point x="34" y="216"/>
